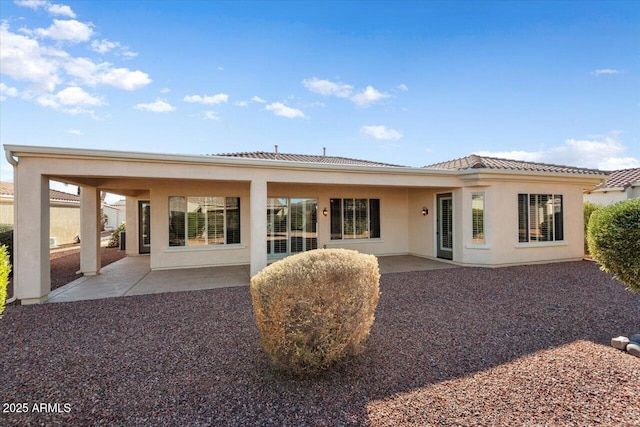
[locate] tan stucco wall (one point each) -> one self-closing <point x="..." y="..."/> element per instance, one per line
<point x="502" y="234"/>
<point x="64" y="219"/>
<point x="614" y="196"/>
<point x="163" y="256"/>
<point x="6" y="211"/>
<point x="402" y="193"/>
<point x="393" y="206"/>
<point x="64" y="223"/>
<point x="114" y="216"/>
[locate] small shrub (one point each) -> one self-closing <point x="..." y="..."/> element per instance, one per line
<point x="114" y="241"/>
<point x="5" y="268"/>
<point x="6" y="240"/>
<point x="316" y="308"/>
<point x="614" y="241"/>
<point x="589" y="208"/>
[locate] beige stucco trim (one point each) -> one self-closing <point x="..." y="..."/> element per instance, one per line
<point x="132" y="156"/>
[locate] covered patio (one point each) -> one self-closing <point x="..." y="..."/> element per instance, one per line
<point x="133" y="276"/>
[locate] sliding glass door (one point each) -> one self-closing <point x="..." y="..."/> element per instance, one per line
<point x="291" y="226"/>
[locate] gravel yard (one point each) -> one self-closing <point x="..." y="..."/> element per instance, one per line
<point x="467" y="346"/>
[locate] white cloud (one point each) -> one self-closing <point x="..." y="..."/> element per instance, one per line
<point x="103" y="46"/>
<point x="22" y="58"/>
<point x="61" y="9"/>
<point x="606" y="71"/>
<point x="206" y="99"/>
<point x="369" y="96"/>
<point x="328" y="88"/>
<point x="90" y="73"/>
<point x="259" y="100"/>
<point x="241" y="103"/>
<point x="160" y="106"/>
<point x="54" y="9"/>
<point x="123" y="78"/>
<point x="402" y="87"/>
<point x="72" y="100"/>
<point x="279" y="109"/>
<point x="365" y="98"/>
<point x="380" y="132"/>
<point x="165" y="90"/>
<point x="210" y="115"/>
<point x="7" y="91"/>
<point x="31" y="4"/>
<point x="603" y="152"/>
<point x="67" y="30"/>
<point x="75" y="132"/>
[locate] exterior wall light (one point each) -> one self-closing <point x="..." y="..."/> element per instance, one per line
<point x="425" y="211"/>
<point x="325" y="212"/>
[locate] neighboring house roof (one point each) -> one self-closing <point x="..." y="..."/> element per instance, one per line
<point x="475" y="161"/>
<point x="622" y="178"/>
<point x="308" y="158"/>
<point x="6" y="189"/>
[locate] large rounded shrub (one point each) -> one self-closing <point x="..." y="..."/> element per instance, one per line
<point x="614" y="241"/>
<point x="316" y="308"/>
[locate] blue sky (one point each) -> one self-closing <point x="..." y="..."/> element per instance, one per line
<point x="410" y="83"/>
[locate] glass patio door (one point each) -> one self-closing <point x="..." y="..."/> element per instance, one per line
<point x="144" y="227"/>
<point x="291" y="226"/>
<point x="445" y="226"/>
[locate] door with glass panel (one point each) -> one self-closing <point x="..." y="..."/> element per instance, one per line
<point x="444" y="230"/>
<point x="291" y="226"/>
<point x="144" y="228"/>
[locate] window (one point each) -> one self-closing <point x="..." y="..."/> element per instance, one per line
<point x="540" y="218"/>
<point x="199" y="221"/>
<point x="291" y="225"/>
<point x="477" y="217"/>
<point x="355" y="218"/>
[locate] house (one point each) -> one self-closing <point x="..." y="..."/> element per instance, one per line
<point x="64" y="213"/>
<point x="252" y="208"/>
<point x="621" y="185"/>
<point x="114" y="214"/>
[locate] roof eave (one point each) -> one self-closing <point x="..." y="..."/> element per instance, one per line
<point x="134" y="156"/>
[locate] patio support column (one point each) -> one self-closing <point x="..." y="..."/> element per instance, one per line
<point x="89" y="231"/>
<point x="32" y="271"/>
<point x="258" y="212"/>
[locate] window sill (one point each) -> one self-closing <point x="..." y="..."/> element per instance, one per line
<point x="524" y="245"/>
<point x="356" y="241"/>
<point x="202" y="248"/>
<point x="477" y="246"/>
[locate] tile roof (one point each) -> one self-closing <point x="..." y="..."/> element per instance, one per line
<point x="482" y="162"/>
<point x="306" y="158"/>
<point x="6" y="189"/>
<point x="622" y="178"/>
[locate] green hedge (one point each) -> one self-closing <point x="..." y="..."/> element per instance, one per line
<point x="6" y="240"/>
<point x="614" y="241"/>
<point x="5" y="269"/>
<point x="589" y="208"/>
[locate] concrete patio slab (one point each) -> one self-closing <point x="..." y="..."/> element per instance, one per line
<point x="133" y="276"/>
<point x="404" y="263"/>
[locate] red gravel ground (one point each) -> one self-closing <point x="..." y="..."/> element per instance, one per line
<point x="468" y="346"/>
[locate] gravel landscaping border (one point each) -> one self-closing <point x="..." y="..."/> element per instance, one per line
<point x="467" y="346"/>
